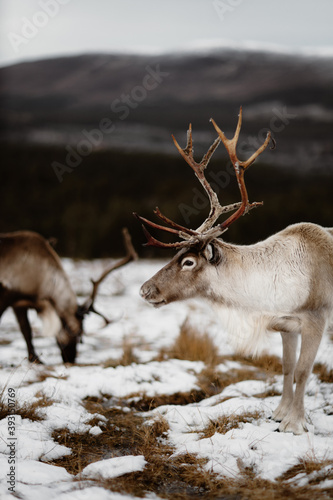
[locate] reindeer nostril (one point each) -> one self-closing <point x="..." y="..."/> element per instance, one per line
<point x="148" y="290"/>
<point x="144" y="291"/>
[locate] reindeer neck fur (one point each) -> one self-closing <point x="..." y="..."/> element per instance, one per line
<point x="272" y="284"/>
<point x="276" y="275"/>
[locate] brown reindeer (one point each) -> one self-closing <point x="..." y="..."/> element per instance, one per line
<point x="32" y="277"/>
<point x="283" y="284"/>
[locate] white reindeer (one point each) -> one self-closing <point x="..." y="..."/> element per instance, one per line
<point x="283" y="284"/>
<point x="32" y="277"/>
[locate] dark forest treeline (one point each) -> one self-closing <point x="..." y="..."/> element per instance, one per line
<point x="87" y="210"/>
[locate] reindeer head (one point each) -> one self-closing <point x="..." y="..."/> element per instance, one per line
<point x="72" y="327"/>
<point x="189" y="272"/>
<point x="186" y="276"/>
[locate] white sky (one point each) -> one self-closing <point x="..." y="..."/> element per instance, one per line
<point x="79" y="26"/>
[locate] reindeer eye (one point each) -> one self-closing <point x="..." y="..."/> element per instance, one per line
<point x="188" y="262"/>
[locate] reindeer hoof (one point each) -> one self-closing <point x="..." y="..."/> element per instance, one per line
<point x="297" y="427"/>
<point x="33" y="358"/>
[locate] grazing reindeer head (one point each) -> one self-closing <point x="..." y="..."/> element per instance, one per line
<point x="188" y="274"/>
<point x="32" y="277"/>
<point x="69" y="335"/>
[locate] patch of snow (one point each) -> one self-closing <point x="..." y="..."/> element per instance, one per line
<point x="114" y="467"/>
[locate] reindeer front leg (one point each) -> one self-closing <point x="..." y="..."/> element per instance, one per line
<point x="22" y="318"/>
<point x="289" y="341"/>
<point x="312" y="331"/>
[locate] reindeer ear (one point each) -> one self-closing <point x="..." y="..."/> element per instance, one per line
<point x="212" y="253"/>
<point x="208" y="252"/>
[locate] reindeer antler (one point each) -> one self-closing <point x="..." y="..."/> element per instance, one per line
<point x="131" y="254"/>
<point x="240" y="168"/>
<point x="207" y="230"/>
<point x="199" y="169"/>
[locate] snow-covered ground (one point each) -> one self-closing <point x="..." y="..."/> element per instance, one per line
<point x="148" y="330"/>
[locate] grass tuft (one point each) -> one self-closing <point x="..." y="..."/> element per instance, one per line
<point x="128" y="357"/>
<point x="25" y="410"/>
<point x="308" y="467"/>
<point x="225" y="423"/>
<point x="141" y="402"/>
<point x="324" y="373"/>
<point x="211" y="381"/>
<point x="192" y="345"/>
<point x="267" y="363"/>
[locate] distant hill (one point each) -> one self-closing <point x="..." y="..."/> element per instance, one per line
<point x="105" y="123"/>
<point x="147" y="98"/>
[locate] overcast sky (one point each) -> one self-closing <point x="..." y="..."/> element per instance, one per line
<point x="33" y="29"/>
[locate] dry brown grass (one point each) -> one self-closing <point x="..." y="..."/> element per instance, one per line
<point x="124" y="433"/>
<point x="128" y="357"/>
<point x="169" y="476"/>
<point x="180" y="477"/>
<point x="251" y="487"/>
<point x="32" y="411"/>
<point x="270" y="393"/>
<point x="41" y="376"/>
<point x="268" y="364"/>
<point x="142" y="402"/>
<point x="173" y="477"/>
<point x="5" y="342"/>
<point x="324" y="374"/>
<point x="227" y="422"/>
<point x="211" y="381"/>
<point x="192" y="345"/>
<point x="196" y="346"/>
<point x="186" y="478"/>
<point x="308" y="466"/>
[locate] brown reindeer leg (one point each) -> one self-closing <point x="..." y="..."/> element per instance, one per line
<point x="22" y="318"/>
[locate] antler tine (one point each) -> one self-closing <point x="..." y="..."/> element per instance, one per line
<point x="239" y="167"/>
<point x="130" y="255"/>
<point x="187" y="154"/>
<point x="181" y="231"/>
<point x="153" y="242"/>
<point x="216" y="209"/>
<point x="231" y="144"/>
